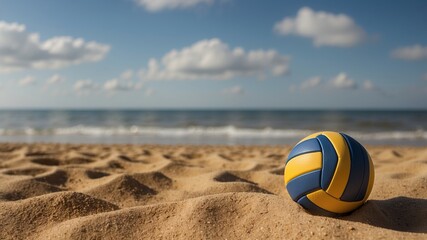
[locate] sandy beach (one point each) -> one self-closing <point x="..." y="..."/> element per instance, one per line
<point x="53" y="191"/>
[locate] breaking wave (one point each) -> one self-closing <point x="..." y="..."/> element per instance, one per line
<point x="224" y="131"/>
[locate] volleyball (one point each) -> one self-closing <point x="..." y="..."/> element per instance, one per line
<point x="329" y="173"/>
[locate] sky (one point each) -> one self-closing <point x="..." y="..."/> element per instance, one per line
<point x="213" y="54"/>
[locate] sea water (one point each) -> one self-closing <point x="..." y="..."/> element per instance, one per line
<point x="226" y="127"/>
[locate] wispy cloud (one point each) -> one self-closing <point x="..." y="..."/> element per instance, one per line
<point x="85" y="86"/>
<point x="120" y="85"/>
<point x="340" y="81"/>
<point x="215" y="60"/>
<point x="368" y="85"/>
<point x="127" y="75"/>
<point x="160" y="5"/>
<point x="410" y="53"/>
<point x="310" y="83"/>
<point x="55" y="79"/>
<point x="235" y="90"/>
<point x="20" y="49"/>
<point x="26" y="81"/>
<point x="343" y="81"/>
<point x="324" y="28"/>
<point x="123" y="83"/>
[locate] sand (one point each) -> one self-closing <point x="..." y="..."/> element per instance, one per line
<point x="58" y="191"/>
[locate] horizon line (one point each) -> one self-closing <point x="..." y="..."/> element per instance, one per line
<point x="203" y="109"/>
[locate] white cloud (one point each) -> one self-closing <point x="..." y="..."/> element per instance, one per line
<point x="110" y="86"/>
<point x="55" y="79"/>
<point x="120" y="85"/>
<point x="310" y="83"/>
<point x="325" y="29"/>
<point x="213" y="59"/>
<point x="343" y="81"/>
<point x="159" y="5"/>
<point x="126" y="75"/>
<point x="369" y="85"/>
<point x="414" y="52"/>
<point x="20" y="49"/>
<point x="235" y="90"/>
<point x="340" y="81"/>
<point x="85" y="86"/>
<point x="26" y="81"/>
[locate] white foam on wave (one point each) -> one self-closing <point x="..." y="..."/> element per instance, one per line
<point x="224" y="131"/>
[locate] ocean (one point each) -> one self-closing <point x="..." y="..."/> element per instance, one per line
<point x="225" y="127"/>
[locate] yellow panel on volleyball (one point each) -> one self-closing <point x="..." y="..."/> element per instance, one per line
<point x="342" y="171"/>
<point x="302" y="164"/>
<point x="331" y="204"/>
<point x="371" y="178"/>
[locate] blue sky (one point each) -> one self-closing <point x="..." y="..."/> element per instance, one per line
<point x="213" y="54"/>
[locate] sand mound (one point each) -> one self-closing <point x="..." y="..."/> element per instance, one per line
<point x="122" y="190"/>
<point x="22" y="189"/>
<point x="54" y="191"/>
<point x="27" y="217"/>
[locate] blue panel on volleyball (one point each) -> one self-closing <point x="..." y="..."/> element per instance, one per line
<point x="303" y="184"/>
<point x="329" y="161"/>
<point x="355" y="189"/>
<point x="310" y="145"/>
